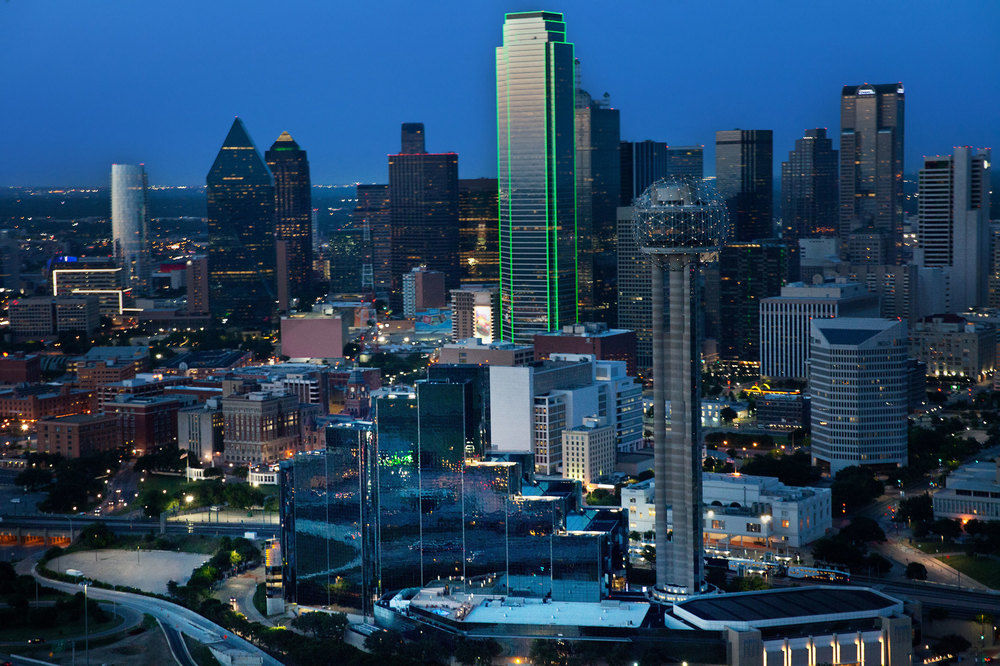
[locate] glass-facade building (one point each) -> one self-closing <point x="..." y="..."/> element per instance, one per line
<point x="407" y="499"/>
<point x="130" y="223"/>
<point x="744" y="178"/>
<point x="293" y="215"/>
<point x="241" y="254"/>
<point x="686" y="161"/>
<point x="537" y="175"/>
<point x="478" y="242"/>
<point x="809" y="188"/>
<point x="371" y="217"/>
<point x="642" y="163"/>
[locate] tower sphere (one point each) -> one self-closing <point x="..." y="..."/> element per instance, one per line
<point x="681" y="216"/>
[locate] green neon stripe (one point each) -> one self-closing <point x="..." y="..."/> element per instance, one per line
<point x="510" y="231"/>
<point x="576" y="231"/>
<point x="549" y="197"/>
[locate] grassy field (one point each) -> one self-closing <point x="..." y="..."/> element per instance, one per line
<point x="983" y="569"/>
<point x="937" y="546"/>
<point x="199" y="652"/>
<point x="53" y="634"/>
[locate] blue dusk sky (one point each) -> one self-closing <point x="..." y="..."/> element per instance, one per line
<point x="91" y="82"/>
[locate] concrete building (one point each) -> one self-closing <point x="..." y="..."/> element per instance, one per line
<point x="314" y="335"/>
<point x="260" y="427"/>
<point x="199" y="431"/>
<point x="743" y="511"/>
<point x="143" y="384"/>
<point x="590" y="338"/>
<point x="90" y="276"/>
<point x="589" y="451"/>
<point x="858" y="380"/>
<point x="475" y="313"/>
<point x="954" y="223"/>
<point x="79" y="435"/>
<point x="785" y="319"/>
<point x="130" y="223"/>
<point x="953" y="346"/>
<point x="423" y="289"/>
<point x="971" y="492"/>
<point x="44" y="316"/>
<point x="473" y="351"/>
<point x="197" y="285"/>
<point x="908" y="291"/>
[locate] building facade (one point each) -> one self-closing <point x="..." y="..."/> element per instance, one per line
<point x="596" y="339"/>
<point x="809" y="188"/>
<point x="260" y="427"/>
<point x="475" y="313"/>
<point x="423" y="289"/>
<point x="372" y="216"/>
<point x="589" y="451"/>
<point x="130" y="223"/>
<point x="478" y="218"/>
<point x="744" y="177"/>
<point x="685" y="162"/>
<point x="293" y="218"/>
<point x="953" y="346"/>
<point x="642" y="163"/>
<point x="537" y="175"/>
<point x="79" y="435"/>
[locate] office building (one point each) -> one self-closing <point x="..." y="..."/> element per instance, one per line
<point x="809" y="188"/>
<point x="475" y="313"/>
<point x="43" y="316"/>
<point x="130" y="223"/>
<point x="90" y="276"/>
<point x="371" y="215"/>
<point x="20" y="368"/>
<point x="871" y="163"/>
<point x="589" y="451"/>
<point x="634" y="293"/>
<point x="595" y="339"/>
<point x="537" y="177"/>
<point x="199" y="431"/>
<point x="782" y="410"/>
<point x="197" y="285"/>
<point x="954" y="223"/>
<point x="314" y="335"/>
<point x="241" y="227"/>
<point x="906" y="291"/>
<point x="148" y="423"/>
<point x="478" y="219"/>
<point x="745" y="179"/>
<point x="993" y="297"/>
<point x="642" y="163"/>
<point x="79" y="435"/>
<point x="749" y="272"/>
<point x="740" y="510"/>
<point x="261" y="427"/>
<point x="858" y="380"/>
<point x="686" y="162"/>
<point x="784" y="322"/>
<point x="971" y="492"/>
<point x="598" y="182"/>
<point x="678" y="221"/>
<point x="293" y="218"/>
<point x="953" y="346"/>
<point x="476" y="352"/>
<point x="423" y="289"/>
<point x="423" y="212"/>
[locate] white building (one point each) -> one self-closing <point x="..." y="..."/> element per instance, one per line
<point x="858" y="380"/>
<point x="971" y="492"/>
<point x="199" y="431"/>
<point x="130" y="223"/>
<point x="743" y="510"/>
<point x="784" y="322"/>
<point x="588" y="450"/>
<point x="954" y="222"/>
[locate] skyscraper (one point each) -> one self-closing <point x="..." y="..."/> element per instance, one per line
<point x="478" y="244"/>
<point x="686" y="161"/>
<point x="241" y="254"/>
<point x="293" y="215"/>
<point x="954" y="223"/>
<point x="130" y="223"/>
<point x="642" y="164"/>
<point x="871" y="161"/>
<point x="744" y="177"/>
<point x="423" y="211"/>
<point x="371" y="215"/>
<point x="537" y="175"/>
<point x="809" y="188"/>
<point x="598" y="173"/>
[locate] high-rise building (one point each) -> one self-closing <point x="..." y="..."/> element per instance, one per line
<point x="293" y="216"/>
<point x="90" y="276"/>
<point x="423" y="289"/>
<point x="858" y="383"/>
<point x="994" y="279"/>
<point x="642" y="164"/>
<point x="785" y="319"/>
<point x="686" y="161"/>
<point x="475" y="313"/>
<point x="598" y="172"/>
<point x="241" y="254"/>
<point x="130" y="223"/>
<point x="537" y="175"/>
<point x="954" y="223"/>
<point x="423" y="211"/>
<point x="744" y="177"/>
<point x="748" y="273"/>
<point x="871" y="162"/>
<point x="809" y="188"/>
<point x="197" y="285"/>
<point x="371" y="216"/>
<point x="478" y="218"/>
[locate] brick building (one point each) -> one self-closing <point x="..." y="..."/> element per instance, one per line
<point x="79" y="435"/>
<point x="20" y="368"/>
<point x="149" y="423"/>
<point x="590" y="338"/>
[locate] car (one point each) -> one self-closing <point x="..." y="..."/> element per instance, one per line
<point x="35" y="641"/>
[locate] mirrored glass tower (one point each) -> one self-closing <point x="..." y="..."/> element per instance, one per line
<point x="130" y="223"/>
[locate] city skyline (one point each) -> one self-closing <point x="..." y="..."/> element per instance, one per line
<point x="168" y="122"/>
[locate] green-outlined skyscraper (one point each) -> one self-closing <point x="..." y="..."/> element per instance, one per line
<point x="537" y="175"/>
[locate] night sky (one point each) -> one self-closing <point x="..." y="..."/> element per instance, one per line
<point x="90" y="82"/>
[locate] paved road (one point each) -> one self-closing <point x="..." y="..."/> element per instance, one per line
<point x="175" y="641"/>
<point x="140" y="526"/>
<point x="171" y="615"/>
<point x="130" y="618"/>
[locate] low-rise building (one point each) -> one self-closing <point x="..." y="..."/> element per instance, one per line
<point x="590" y="338"/>
<point x="45" y="316"/>
<point x="953" y="346"/>
<point x="149" y="423"/>
<point x="199" y="431"/>
<point x="742" y="510"/>
<point x="27" y="404"/>
<point x="261" y="427"/>
<point x="589" y="450"/>
<point x="314" y="335"/>
<point x="20" y="368"/>
<point x="783" y="410"/>
<point x="473" y="351"/>
<point x="971" y="492"/>
<point x="205" y="362"/>
<point x="79" y="435"/>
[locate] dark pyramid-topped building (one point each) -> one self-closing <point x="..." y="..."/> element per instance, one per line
<point x="241" y="254"/>
<point x="293" y="217"/>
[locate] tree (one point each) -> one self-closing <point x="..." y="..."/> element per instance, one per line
<point x="649" y="554"/>
<point x="548" y="653"/>
<point x="727" y="414"/>
<point x="477" y="652"/>
<point x="916" y="571"/>
<point x="951" y="644"/>
<point x="947" y="528"/>
<point x="34" y="478"/>
<point x="916" y="509"/>
<point x="855" y="487"/>
<point x="862" y="530"/>
<point x="385" y="645"/>
<point x="97" y="535"/>
<point x="324" y="626"/>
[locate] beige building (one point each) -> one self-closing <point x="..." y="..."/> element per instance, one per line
<point x="260" y="427"/>
<point x="475" y="352"/>
<point x="588" y="450"/>
<point x="953" y="346"/>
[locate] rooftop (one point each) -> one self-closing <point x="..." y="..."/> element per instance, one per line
<point x="208" y="358"/>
